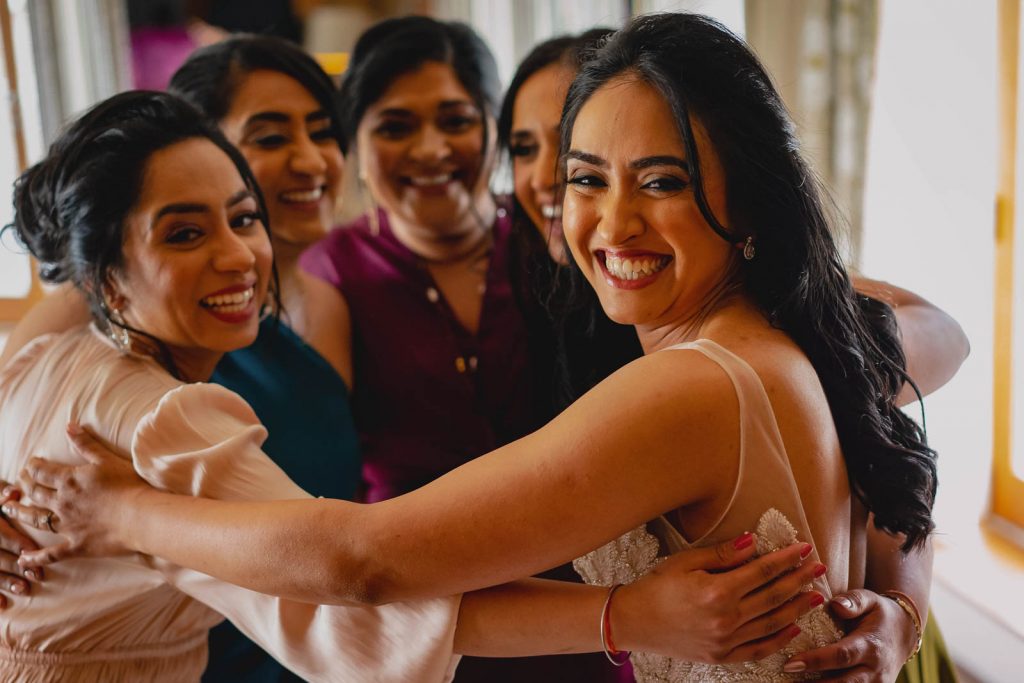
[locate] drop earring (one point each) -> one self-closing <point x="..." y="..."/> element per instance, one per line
<point x="748" y="249"/>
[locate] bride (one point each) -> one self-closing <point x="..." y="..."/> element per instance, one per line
<point x="765" y="399"/>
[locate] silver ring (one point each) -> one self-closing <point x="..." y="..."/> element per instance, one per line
<point x="48" y="521"/>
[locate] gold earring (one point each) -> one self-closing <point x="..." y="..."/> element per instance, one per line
<point x="117" y="328"/>
<point x="748" y="249"/>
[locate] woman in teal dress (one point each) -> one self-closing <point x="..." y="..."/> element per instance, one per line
<point x="276" y="104"/>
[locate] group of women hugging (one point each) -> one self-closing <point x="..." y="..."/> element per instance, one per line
<point x="361" y="446"/>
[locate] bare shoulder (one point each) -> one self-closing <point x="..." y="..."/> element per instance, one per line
<point x="328" y="326"/>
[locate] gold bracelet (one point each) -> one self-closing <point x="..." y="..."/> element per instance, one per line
<point x="908" y="606"/>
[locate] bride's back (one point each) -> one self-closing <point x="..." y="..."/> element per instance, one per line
<point x="803" y="451"/>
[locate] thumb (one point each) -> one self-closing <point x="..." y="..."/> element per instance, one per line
<point x="86" y="445"/>
<point x="853" y="604"/>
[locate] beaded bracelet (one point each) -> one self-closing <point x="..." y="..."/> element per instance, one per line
<point x="606" y="631"/>
<point x="908" y="606"/>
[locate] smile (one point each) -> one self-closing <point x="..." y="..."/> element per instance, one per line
<point x="234" y="302"/>
<point x="551" y="211"/>
<point x="634" y="268"/>
<point x="431" y="180"/>
<point x="302" y="196"/>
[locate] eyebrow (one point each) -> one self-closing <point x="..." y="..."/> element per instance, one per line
<point x="187" y="207"/>
<point x="280" y="117"/>
<point x="446" y="104"/>
<point x="638" y="164"/>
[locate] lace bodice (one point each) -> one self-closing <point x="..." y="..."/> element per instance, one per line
<point x="765" y="492"/>
<point x="635" y="553"/>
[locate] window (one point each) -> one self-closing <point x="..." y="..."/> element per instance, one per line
<point x="1008" y="471"/>
<point x="18" y="286"/>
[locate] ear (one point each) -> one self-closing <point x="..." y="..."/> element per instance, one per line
<point x="112" y="291"/>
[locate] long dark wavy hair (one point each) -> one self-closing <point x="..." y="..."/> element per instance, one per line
<point x="797" y="278"/>
<point x="70" y="208"/>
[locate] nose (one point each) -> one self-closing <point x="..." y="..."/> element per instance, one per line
<point x="232" y="253"/>
<point x="430" y="145"/>
<point x="619" y="220"/>
<point x="307" y="158"/>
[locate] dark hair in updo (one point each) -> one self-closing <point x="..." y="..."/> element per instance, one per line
<point x="211" y="75"/>
<point x="394" y="47"/>
<point x="797" y="278"/>
<point x="70" y="208"/>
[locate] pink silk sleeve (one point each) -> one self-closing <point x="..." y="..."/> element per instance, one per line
<point x="204" y="440"/>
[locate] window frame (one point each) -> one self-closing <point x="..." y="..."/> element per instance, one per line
<point x="1007" y="499"/>
<point x="11" y="309"/>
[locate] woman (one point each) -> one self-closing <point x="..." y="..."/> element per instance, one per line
<point x="432" y="262"/>
<point x="588" y="344"/>
<point x="277" y="106"/>
<point x="156" y="219"/>
<point x="724" y="263"/>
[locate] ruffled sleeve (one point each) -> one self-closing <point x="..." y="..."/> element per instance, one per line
<point x="204" y="440"/>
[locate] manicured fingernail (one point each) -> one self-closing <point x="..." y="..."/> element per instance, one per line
<point x="845" y="602"/>
<point x="31" y="575"/>
<point x="17" y="587"/>
<point x="820" y="570"/>
<point x="7" y="510"/>
<point x="74" y="429"/>
<point x="794" y="667"/>
<point x="793" y="631"/>
<point x="817" y="599"/>
<point x="805" y="551"/>
<point x="744" y="541"/>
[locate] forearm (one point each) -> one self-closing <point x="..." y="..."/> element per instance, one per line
<point x="934" y="344"/>
<point x="283" y="548"/>
<point x="63" y="309"/>
<point x="530" y="617"/>
<point x="890" y="569"/>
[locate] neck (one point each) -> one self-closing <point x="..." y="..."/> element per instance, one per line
<point x="291" y="284"/>
<point x="453" y="243"/>
<point x="696" y="323"/>
<point x="191" y="365"/>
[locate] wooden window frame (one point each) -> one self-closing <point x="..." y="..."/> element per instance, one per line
<point x="1007" y="488"/>
<point x="13" y="309"/>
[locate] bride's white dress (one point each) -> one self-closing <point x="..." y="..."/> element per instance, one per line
<point x="765" y="487"/>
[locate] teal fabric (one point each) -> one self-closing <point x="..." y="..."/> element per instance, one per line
<point x="304" y="405"/>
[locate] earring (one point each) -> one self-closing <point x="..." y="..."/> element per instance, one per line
<point x="117" y="329"/>
<point x="748" y="249"/>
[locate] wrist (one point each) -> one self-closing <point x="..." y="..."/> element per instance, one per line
<point x="913" y="625"/>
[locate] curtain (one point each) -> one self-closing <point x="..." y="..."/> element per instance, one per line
<point x="81" y="56"/>
<point x="821" y="54"/>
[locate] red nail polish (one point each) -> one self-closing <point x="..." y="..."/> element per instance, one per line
<point x="744" y="541"/>
<point x="805" y="551"/>
<point x="793" y="631"/>
<point x="820" y="571"/>
<point x="817" y="599"/>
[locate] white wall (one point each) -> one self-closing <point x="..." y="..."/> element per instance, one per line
<point x="929" y="213"/>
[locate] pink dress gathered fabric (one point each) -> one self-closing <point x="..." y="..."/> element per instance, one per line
<point x="136" y="618"/>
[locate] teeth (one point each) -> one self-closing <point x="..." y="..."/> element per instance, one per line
<point x="551" y="211"/>
<point x="428" y="180"/>
<point x="635" y="268"/>
<point x="230" y="303"/>
<point x="303" y="195"/>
